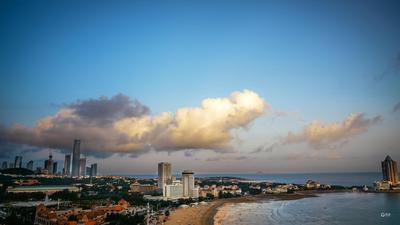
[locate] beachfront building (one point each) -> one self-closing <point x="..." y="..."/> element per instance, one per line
<point x="188" y="183"/>
<point x="382" y="185"/>
<point x="173" y="191"/>
<point x="231" y="189"/>
<point x="164" y="174"/>
<point x="195" y="193"/>
<point x="209" y="190"/>
<point x="310" y="184"/>
<point x="389" y="171"/>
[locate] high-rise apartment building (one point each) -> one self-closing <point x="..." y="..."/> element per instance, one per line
<point x="173" y="191"/>
<point x="188" y="183"/>
<point x="88" y="171"/>
<point x="55" y="168"/>
<point x="93" y="170"/>
<point x="389" y="170"/>
<point x="76" y="155"/>
<point x="18" y="162"/>
<point x="67" y="165"/>
<point x="29" y="165"/>
<point x="48" y="164"/>
<point x="82" y="167"/>
<point x="164" y="174"/>
<point x="4" y="165"/>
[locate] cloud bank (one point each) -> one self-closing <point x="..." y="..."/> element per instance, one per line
<point x="121" y="125"/>
<point x="322" y="135"/>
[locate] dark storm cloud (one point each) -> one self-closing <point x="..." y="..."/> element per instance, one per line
<point x="106" y="110"/>
<point x="89" y="120"/>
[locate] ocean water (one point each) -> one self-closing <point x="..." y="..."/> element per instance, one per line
<point x="326" y="209"/>
<point x="344" y="179"/>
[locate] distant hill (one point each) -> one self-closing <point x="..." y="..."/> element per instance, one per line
<point x="17" y="171"/>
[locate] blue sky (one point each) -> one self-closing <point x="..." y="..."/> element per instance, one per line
<point x="318" y="59"/>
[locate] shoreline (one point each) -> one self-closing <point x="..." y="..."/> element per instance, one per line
<point x="218" y="214"/>
<point x="208" y="214"/>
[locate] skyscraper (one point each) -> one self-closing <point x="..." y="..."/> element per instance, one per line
<point x="188" y="183"/>
<point x="4" y="165"/>
<point x="88" y="171"/>
<point x="29" y="165"/>
<point x="164" y="174"/>
<point x="389" y="170"/>
<point x="93" y="170"/>
<point x="67" y="165"/>
<point x="76" y="155"/>
<point x="18" y="162"/>
<point x="48" y="164"/>
<point x="55" y="168"/>
<point x="82" y="167"/>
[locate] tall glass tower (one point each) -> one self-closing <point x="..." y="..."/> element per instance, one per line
<point x="76" y="155"/>
<point x="67" y="165"/>
<point x="389" y="170"/>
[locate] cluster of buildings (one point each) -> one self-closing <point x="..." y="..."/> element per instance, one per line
<point x="17" y="164"/>
<point x="78" y="216"/>
<point x="390" y="175"/>
<point x="173" y="188"/>
<point x="75" y="168"/>
<point x="143" y="188"/>
<point x="215" y="190"/>
<point x="79" y="168"/>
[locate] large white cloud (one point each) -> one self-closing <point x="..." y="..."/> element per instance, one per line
<point x="205" y="127"/>
<point x="321" y="135"/>
<point x="118" y="124"/>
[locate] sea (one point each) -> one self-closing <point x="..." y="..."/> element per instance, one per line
<point x="350" y="208"/>
<point x="343" y="179"/>
<point x="326" y="209"/>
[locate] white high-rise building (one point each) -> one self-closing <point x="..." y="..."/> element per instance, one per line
<point x="173" y="191"/>
<point x="188" y="183"/>
<point x="164" y="174"/>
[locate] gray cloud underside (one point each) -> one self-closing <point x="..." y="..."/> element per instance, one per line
<point x="121" y="125"/>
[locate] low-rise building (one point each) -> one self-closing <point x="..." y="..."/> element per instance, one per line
<point x="142" y="188"/>
<point x="310" y="184"/>
<point x="77" y="216"/>
<point x="382" y="185"/>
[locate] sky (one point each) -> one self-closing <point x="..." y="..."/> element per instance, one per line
<point x="212" y="86"/>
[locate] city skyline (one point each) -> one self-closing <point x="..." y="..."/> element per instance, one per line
<point x="276" y="88"/>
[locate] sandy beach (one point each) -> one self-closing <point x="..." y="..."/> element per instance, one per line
<point x="210" y="215"/>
